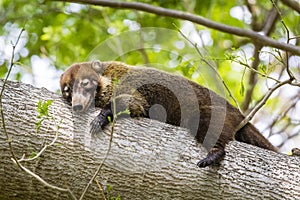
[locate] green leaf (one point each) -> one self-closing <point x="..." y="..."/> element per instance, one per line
<point x="38" y="124"/>
<point x="43" y="108"/>
<point x="242" y="89"/>
<point x="43" y="112"/>
<point x="33" y="154"/>
<point x="263" y="67"/>
<point x="109" y="119"/>
<point x="127" y="112"/>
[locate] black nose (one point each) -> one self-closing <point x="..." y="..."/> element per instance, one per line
<point x="77" y="108"/>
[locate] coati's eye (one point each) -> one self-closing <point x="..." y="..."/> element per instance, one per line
<point x="88" y="83"/>
<point x="85" y="82"/>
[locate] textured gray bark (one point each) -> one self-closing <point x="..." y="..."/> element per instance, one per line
<point x="148" y="159"/>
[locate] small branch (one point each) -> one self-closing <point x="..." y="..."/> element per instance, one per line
<point x="261" y="103"/>
<point x="212" y="67"/>
<point x="42" y="150"/>
<point x="256" y="71"/>
<point x="101" y="189"/>
<point x="292" y="4"/>
<point x="282" y="114"/>
<point x="287" y="54"/>
<point x="101" y="164"/>
<point x="252" y="78"/>
<point x="43" y="181"/>
<point x="14" y="158"/>
<point x="9" y="140"/>
<point x="288" y="40"/>
<point x="270" y="22"/>
<point x="259" y="38"/>
<point x="108" y="149"/>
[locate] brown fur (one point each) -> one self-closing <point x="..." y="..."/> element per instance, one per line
<point x="211" y="119"/>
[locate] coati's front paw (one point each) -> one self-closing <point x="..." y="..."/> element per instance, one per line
<point x="98" y="124"/>
<point x="213" y="157"/>
<point x="103" y="119"/>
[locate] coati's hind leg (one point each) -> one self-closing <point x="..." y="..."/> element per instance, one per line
<point x="214" y="156"/>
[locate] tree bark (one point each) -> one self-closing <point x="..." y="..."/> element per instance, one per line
<point x="148" y="159"/>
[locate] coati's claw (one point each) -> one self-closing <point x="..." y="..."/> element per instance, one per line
<point x="103" y="119"/>
<point x="214" y="156"/>
<point x="96" y="126"/>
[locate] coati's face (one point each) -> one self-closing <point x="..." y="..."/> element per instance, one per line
<point x="80" y="85"/>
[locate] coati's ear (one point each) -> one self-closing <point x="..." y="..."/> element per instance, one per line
<point x="66" y="88"/>
<point x="98" y="66"/>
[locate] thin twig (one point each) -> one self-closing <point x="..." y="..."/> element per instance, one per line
<point x="282" y="114"/>
<point x="256" y="71"/>
<point x="211" y="66"/>
<point x="108" y="149"/>
<point x="42" y="150"/>
<point x="9" y="140"/>
<point x="287" y="40"/>
<point x="101" y="164"/>
<point x="14" y="158"/>
<point x="261" y="103"/>
<point x="43" y="181"/>
<point x="101" y="189"/>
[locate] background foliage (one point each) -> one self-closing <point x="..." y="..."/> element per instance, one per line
<point x="58" y="34"/>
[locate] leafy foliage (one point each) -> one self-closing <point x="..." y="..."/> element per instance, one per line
<point x="42" y="109"/>
<point x="109" y="196"/>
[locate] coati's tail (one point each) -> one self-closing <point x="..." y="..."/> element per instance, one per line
<point x="250" y="135"/>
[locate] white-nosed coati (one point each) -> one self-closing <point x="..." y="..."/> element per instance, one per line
<point x="151" y="93"/>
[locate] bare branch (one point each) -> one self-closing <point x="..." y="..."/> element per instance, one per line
<point x="288" y="40"/>
<point x="252" y="78"/>
<point x="292" y="4"/>
<point x="283" y="113"/>
<point x="42" y="180"/>
<point x="1" y="95"/>
<point x="256" y="71"/>
<point x="9" y="140"/>
<point x="267" y="28"/>
<point x="270" y="22"/>
<point x="42" y="150"/>
<point x="212" y="67"/>
<point x="259" y="38"/>
<point x="261" y="103"/>
<point x="108" y="149"/>
<point x="101" y="164"/>
<point x="101" y="189"/>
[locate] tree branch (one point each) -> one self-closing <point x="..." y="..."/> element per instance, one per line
<point x="261" y="103"/>
<point x="252" y="78"/>
<point x="264" y="40"/>
<point x="267" y="28"/>
<point x="292" y="4"/>
<point x="211" y="65"/>
<point x="148" y="159"/>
